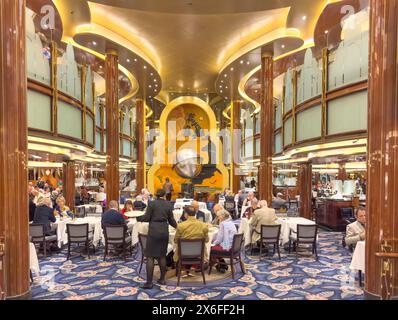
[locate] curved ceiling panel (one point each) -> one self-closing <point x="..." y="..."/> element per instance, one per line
<point x="145" y="74"/>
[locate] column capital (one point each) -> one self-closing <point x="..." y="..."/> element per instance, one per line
<point x="112" y="52"/>
<point x="267" y="54"/>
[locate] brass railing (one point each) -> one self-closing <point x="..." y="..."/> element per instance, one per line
<point x="2" y="282"/>
<point x="387" y="256"/>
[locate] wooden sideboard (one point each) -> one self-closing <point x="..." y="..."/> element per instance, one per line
<point x="328" y="213"/>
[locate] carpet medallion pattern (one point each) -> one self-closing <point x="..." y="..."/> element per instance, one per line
<point x="304" y="278"/>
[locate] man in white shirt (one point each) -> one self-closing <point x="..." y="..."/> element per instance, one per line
<point x="356" y="231"/>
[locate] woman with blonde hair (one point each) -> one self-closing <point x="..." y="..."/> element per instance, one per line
<point x="61" y="209"/>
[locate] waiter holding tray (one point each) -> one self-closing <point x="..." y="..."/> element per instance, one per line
<point x="159" y="214"/>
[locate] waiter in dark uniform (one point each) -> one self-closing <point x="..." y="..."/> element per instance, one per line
<point x="159" y="214"/>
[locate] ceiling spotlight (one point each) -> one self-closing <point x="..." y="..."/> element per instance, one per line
<point x="232" y="69"/>
<point x="155" y="80"/>
<point x="304" y="18"/>
<point x="149" y="86"/>
<point x="145" y="67"/>
<point x="225" y="75"/>
<point x="221" y="91"/>
<point x="241" y="61"/>
<point x="283" y="46"/>
<point x="135" y="60"/>
<point x="128" y="60"/>
<point x="226" y="87"/>
<point x="222" y="81"/>
<point x="100" y="67"/>
<point x="156" y="85"/>
<point x="326" y="31"/>
<point x="151" y="74"/>
<point x="94" y="43"/>
<point x="248" y="62"/>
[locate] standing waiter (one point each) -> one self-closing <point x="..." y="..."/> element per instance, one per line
<point x="159" y="214"/>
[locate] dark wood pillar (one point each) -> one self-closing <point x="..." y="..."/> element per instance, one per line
<point x="305" y="190"/>
<point x="236" y="145"/>
<point x="382" y="202"/>
<point x="266" y="127"/>
<point x="14" y="148"/>
<point x="69" y="189"/>
<point x="140" y="176"/>
<point x="112" y="126"/>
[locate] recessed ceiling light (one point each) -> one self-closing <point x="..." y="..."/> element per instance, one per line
<point x="221" y="91"/>
<point x="150" y="86"/>
<point x="283" y="46"/>
<point x="135" y="59"/>
<point x="248" y="62"/>
<point x="155" y="80"/>
<point x="222" y="81"/>
<point x="100" y="67"/>
<point x="225" y="75"/>
<point x="145" y="67"/>
<point x="94" y="43"/>
<point x="232" y="69"/>
<point x="326" y="31"/>
<point x="304" y="18"/>
<point x="128" y="60"/>
<point x="241" y="61"/>
<point x="226" y="87"/>
<point x="151" y="74"/>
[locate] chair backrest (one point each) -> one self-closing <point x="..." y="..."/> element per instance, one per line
<point x="143" y="240"/>
<point x="237" y="243"/>
<point x="77" y="232"/>
<point x="115" y="234"/>
<point x="92" y="209"/>
<point x="229" y="205"/>
<point x="191" y="249"/>
<point x="306" y="233"/>
<point x="271" y="232"/>
<point x="81" y="212"/>
<point x="36" y="232"/>
<point x="346" y="213"/>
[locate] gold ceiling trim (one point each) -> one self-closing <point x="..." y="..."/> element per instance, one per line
<point x="102" y="31"/>
<point x="267" y="38"/>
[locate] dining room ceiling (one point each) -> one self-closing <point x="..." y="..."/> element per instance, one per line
<point x="189" y="42"/>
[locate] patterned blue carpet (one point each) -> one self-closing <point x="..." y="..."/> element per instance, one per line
<point x="270" y="279"/>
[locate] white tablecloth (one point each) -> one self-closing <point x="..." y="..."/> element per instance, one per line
<point x="291" y="224"/>
<point x="33" y="260"/>
<point x="246" y="229"/>
<point x="287" y="224"/>
<point x="177" y="213"/>
<point x="94" y="225"/>
<point x="358" y="258"/>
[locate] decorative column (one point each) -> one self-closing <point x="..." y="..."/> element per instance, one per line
<point x="382" y="204"/>
<point x="305" y="190"/>
<point x="140" y="172"/>
<point x="266" y="127"/>
<point x="236" y="143"/>
<point x="68" y="178"/>
<point x="14" y="219"/>
<point x="112" y="126"/>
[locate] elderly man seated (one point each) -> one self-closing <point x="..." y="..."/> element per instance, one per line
<point x="262" y="216"/>
<point x="200" y="215"/>
<point x="191" y="229"/>
<point x="250" y="211"/>
<point x="278" y="202"/>
<point x="356" y="231"/>
<point x="248" y="201"/>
